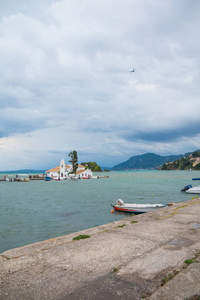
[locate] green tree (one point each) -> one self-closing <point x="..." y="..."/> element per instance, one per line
<point x="92" y="166"/>
<point x="197" y="167"/>
<point x="97" y="168"/>
<point x="73" y="160"/>
<point x="196" y="154"/>
<point x="164" y="167"/>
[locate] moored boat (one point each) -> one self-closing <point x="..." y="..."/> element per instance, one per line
<point x="135" y="208"/>
<point x="18" y="178"/>
<point x="191" y="190"/>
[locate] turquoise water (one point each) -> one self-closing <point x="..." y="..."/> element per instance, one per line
<point x="37" y="210"/>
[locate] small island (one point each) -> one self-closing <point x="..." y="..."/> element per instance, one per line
<point x="73" y="170"/>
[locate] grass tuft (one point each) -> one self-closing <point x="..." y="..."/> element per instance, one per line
<point x="190" y="261"/>
<point x="169" y="277"/>
<point x="115" y="270"/>
<point x="121" y="226"/>
<point x="80" y="237"/>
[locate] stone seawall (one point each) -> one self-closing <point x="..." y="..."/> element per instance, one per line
<point x="152" y="256"/>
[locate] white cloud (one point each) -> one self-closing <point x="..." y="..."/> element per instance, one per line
<point x="66" y="81"/>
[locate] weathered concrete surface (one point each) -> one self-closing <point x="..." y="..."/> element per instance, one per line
<point x="144" y="258"/>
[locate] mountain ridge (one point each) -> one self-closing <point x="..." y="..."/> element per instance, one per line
<point x="146" y="161"/>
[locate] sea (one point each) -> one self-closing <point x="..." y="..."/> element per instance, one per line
<point x="38" y="210"/>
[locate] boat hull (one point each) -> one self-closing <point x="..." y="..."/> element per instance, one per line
<point x="135" y="208"/>
<point x="191" y="190"/>
<point x="194" y="190"/>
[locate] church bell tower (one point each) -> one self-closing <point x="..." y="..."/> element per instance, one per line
<point x="62" y="168"/>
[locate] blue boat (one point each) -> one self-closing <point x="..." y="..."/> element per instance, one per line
<point x="47" y="178"/>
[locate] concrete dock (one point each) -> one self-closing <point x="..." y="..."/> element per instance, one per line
<point x="149" y="256"/>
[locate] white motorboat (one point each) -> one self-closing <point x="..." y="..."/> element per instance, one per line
<point x="135" y="208"/>
<point x="191" y="190"/>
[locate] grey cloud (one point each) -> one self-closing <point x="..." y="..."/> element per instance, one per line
<point x="56" y="152"/>
<point x="12" y="126"/>
<point x="65" y="74"/>
<point x="166" y="135"/>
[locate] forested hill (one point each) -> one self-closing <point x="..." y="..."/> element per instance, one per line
<point x="145" y="161"/>
<point x="188" y="162"/>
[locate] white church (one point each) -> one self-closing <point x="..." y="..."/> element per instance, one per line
<point x="63" y="172"/>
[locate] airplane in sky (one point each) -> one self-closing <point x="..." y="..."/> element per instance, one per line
<point x="132" y="71"/>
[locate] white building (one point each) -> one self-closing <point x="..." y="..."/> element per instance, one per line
<point x="63" y="171"/>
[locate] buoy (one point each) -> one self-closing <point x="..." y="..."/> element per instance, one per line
<point x="112" y="211"/>
<point x="152" y="194"/>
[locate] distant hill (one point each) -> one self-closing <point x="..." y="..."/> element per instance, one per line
<point x="24" y="171"/>
<point x="145" y="161"/>
<point x="190" y="161"/>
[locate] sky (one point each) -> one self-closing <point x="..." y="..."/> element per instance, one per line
<point x="65" y="80"/>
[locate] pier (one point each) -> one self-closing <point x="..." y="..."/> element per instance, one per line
<point x="149" y="256"/>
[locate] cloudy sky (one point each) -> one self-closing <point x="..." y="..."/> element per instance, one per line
<point x="66" y="82"/>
